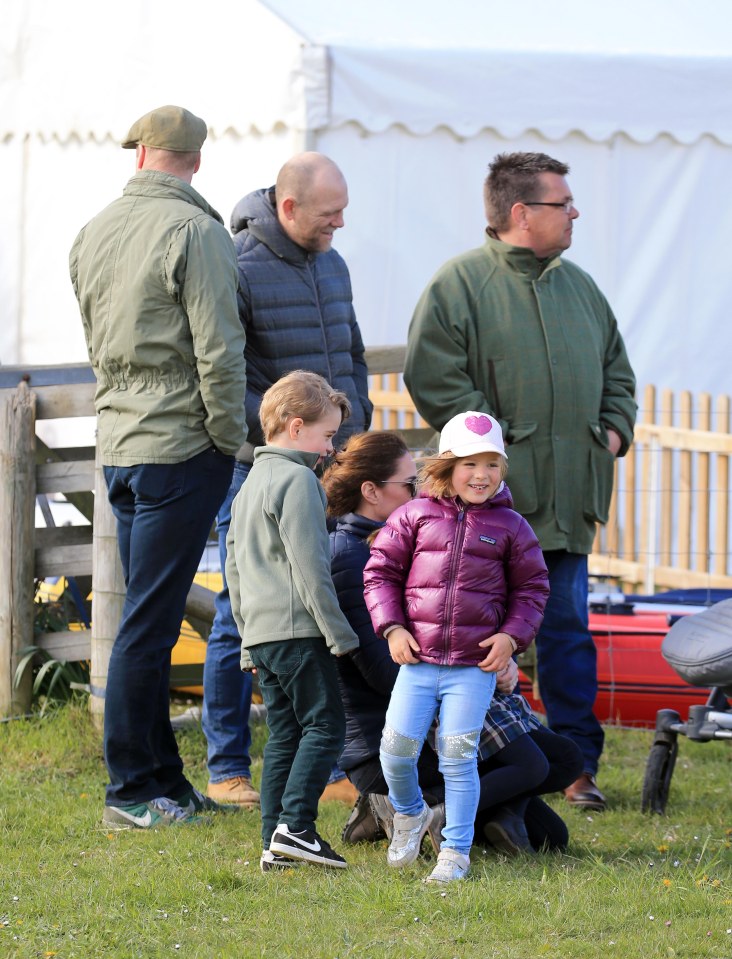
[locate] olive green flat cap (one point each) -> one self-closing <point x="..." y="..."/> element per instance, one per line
<point x="168" y="128"/>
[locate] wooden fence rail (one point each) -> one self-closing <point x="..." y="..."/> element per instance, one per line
<point x="669" y="524"/>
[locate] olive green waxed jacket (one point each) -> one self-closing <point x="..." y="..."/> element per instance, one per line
<point x="534" y="343"/>
<point x="156" y="279"/>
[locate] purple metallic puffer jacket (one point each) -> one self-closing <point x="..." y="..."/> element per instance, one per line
<point x="454" y="575"/>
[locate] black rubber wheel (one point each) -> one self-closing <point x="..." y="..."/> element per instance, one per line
<point x="657" y="780"/>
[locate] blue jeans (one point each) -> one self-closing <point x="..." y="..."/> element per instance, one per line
<point x="164" y="514"/>
<point x="462" y="694"/>
<point x="227" y="691"/>
<point x="567" y="658"/>
<point x="307" y="729"/>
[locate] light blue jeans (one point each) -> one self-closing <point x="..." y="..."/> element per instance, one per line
<point x="461" y="695"/>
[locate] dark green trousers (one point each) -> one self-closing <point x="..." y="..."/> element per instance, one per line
<point x="307" y="729"/>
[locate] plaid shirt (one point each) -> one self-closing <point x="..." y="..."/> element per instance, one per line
<point x="508" y="718"/>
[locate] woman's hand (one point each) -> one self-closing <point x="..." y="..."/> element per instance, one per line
<point x="401" y="646"/>
<point x="501" y="651"/>
<point x="507" y="678"/>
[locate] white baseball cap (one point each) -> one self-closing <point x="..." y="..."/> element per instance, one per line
<point x="469" y="433"/>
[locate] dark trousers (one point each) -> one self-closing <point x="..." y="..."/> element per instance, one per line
<point x="307" y="729"/>
<point x="368" y="777"/>
<point x="567" y="658"/>
<point x="533" y="765"/>
<point x="164" y="513"/>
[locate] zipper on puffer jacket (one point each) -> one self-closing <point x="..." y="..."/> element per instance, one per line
<point x="452" y="582"/>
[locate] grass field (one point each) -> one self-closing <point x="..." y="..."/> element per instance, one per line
<point x="631" y="886"/>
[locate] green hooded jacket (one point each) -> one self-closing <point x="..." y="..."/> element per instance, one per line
<point x="156" y="278"/>
<point x="535" y="344"/>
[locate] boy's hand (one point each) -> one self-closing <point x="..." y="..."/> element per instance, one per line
<point x="501" y="651"/>
<point x="401" y="643"/>
<point x="507" y="678"/>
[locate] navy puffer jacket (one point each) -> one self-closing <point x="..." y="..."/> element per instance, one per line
<point x="297" y="311"/>
<point x="366" y="675"/>
<point x="454" y="575"/>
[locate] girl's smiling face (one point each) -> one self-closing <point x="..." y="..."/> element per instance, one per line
<point x="475" y="479"/>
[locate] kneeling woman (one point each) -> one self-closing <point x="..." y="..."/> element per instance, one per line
<point x="518" y="758"/>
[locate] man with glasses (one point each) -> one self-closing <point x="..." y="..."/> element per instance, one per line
<point x="516" y="331"/>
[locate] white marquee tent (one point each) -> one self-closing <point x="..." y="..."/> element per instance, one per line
<point x="412" y="99"/>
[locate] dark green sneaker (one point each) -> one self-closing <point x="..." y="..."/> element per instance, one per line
<point x="148" y="815"/>
<point x="194" y="802"/>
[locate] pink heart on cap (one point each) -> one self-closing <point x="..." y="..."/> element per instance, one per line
<point x="479" y="424"/>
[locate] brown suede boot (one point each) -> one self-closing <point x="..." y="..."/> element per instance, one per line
<point x="236" y="791"/>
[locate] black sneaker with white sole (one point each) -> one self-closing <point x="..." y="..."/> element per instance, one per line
<point x="273" y="862"/>
<point x="306" y="846"/>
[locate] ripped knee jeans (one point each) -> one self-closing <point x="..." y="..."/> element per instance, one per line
<point x="459" y="696"/>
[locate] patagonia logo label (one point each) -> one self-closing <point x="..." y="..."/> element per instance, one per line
<point x="487" y="539"/>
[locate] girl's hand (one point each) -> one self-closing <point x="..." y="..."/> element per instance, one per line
<point x="501" y="652"/>
<point x="401" y="643"/>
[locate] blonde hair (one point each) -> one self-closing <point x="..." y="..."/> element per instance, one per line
<point x="302" y="394"/>
<point x="437" y="474"/>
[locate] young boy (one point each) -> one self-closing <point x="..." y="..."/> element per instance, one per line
<point x="285" y="606"/>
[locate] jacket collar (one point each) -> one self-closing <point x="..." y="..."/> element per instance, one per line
<point x="297" y="456"/>
<point x="359" y="525"/>
<point x="165" y="185"/>
<point x="519" y="259"/>
<point x="256" y="214"/>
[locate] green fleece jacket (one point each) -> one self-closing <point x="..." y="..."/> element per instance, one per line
<point x="156" y="278"/>
<point x="534" y="343"/>
<point x="278" y="556"/>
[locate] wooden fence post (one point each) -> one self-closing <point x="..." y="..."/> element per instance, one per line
<point x="108" y="593"/>
<point x="17" y="523"/>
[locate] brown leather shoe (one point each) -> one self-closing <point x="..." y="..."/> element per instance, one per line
<point x="236" y="791"/>
<point x="584" y="794"/>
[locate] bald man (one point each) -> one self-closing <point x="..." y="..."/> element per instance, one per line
<point x="295" y="304"/>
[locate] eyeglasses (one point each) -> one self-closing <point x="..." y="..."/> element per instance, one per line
<point x="411" y="483"/>
<point x="567" y="206"/>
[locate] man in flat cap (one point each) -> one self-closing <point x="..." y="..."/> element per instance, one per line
<point x="155" y="275"/>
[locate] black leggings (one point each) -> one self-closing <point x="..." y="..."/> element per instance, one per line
<point x="368" y="777"/>
<point x="512" y="778"/>
<point x="534" y="764"/>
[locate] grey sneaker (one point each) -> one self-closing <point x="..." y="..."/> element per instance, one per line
<point x="408" y="834"/>
<point x="148" y="815"/>
<point x="435" y="828"/>
<point x="451" y="865"/>
<point x="195" y="802"/>
<point x="383" y="813"/>
<point x="362" y="825"/>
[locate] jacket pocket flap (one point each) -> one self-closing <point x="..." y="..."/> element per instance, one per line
<point x="520" y="431"/>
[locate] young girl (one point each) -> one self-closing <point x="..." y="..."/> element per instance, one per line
<point x="456" y="583"/>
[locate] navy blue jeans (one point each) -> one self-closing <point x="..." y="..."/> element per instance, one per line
<point x="227" y="691"/>
<point x="567" y="658"/>
<point x="164" y="513"/>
